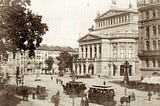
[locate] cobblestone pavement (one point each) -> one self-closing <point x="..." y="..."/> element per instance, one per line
<point x="52" y="87"/>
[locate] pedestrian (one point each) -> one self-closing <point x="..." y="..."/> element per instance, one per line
<point x="61" y="82"/>
<point x="133" y="96"/>
<point x="33" y="93"/>
<point x="104" y="83"/>
<point x="57" y="80"/>
<point x="149" y="95"/>
<point x="56" y="99"/>
<point x="125" y="91"/>
<point x="58" y="93"/>
<point x="51" y="78"/>
<point x="82" y="102"/>
<point x="86" y="102"/>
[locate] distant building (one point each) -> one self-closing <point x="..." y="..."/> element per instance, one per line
<point x="113" y="41"/>
<point x="26" y="65"/>
<point x="149" y="36"/>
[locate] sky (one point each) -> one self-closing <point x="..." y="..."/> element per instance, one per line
<point x="68" y="20"/>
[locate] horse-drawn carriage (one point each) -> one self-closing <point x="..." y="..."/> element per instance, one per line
<point x="103" y="95"/>
<point x="41" y="92"/>
<point x="74" y="88"/>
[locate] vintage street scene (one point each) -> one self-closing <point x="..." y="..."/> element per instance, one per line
<point x="79" y="52"/>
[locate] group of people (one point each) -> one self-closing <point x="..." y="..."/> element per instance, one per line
<point x="84" y="102"/>
<point x="59" y="81"/>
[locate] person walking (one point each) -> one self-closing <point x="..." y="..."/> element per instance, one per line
<point x="104" y="83"/>
<point x="82" y="102"/>
<point x="51" y="78"/>
<point x="56" y="99"/>
<point x="57" y="80"/>
<point x="149" y="95"/>
<point x="33" y="93"/>
<point x="133" y="96"/>
<point x="61" y="82"/>
<point x="86" y="102"/>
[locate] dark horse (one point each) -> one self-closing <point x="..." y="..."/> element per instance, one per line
<point x="125" y="99"/>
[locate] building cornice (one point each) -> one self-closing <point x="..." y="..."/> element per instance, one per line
<point x="145" y="7"/>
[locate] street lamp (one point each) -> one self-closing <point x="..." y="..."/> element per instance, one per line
<point x="109" y="66"/>
<point x="22" y="78"/>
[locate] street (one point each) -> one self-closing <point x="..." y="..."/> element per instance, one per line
<point x="65" y="100"/>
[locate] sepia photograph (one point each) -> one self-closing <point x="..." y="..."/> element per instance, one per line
<point x="79" y="52"/>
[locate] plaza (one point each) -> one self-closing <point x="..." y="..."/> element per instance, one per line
<point x="52" y="87"/>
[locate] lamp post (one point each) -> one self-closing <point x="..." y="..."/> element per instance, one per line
<point x="22" y="78"/>
<point x="126" y="77"/>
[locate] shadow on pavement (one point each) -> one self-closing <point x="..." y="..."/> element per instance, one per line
<point x="9" y="101"/>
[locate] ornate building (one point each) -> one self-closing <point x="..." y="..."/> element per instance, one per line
<point x="113" y="41"/>
<point x="149" y="36"/>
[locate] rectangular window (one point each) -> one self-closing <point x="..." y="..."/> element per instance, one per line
<point x="147" y="33"/>
<point x="159" y="30"/>
<point x="121" y="70"/>
<point x="159" y="63"/>
<point x="147" y="63"/>
<point x="115" y="51"/>
<point x="100" y="51"/>
<point x="154" y="62"/>
<point x="130" y="52"/>
<point x="147" y="14"/>
<point x="158" y="44"/>
<point x="122" y="52"/>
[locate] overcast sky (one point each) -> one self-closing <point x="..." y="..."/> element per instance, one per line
<point x="70" y="19"/>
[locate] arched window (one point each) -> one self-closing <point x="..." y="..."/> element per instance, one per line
<point x="154" y="45"/>
<point x="147" y="45"/>
<point x="154" y="30"/>
<point x="154" y="13"/>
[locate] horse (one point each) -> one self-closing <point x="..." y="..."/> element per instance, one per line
<point x="125" y="99"/>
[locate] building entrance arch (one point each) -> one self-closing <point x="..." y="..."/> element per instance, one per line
<point x="91" y="69"/>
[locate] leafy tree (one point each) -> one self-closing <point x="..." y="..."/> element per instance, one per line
<point x="66" y="61"/>
<point x="49" y="62"/>
<point x="20" y="29"/>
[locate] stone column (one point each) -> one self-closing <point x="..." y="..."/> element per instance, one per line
<point x="77" y="69"/>
<point x="93" y="51"/>
<point x="80" y="51"/>
<point x="84" y="51"/>
<point x="86" y="68"/>
<point x="97" y="50"/>
<point x="82" y="69"/>
<point x="88" y="49"/>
